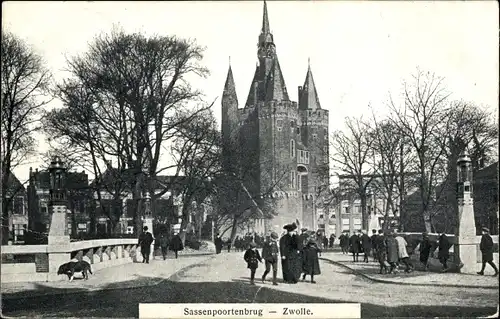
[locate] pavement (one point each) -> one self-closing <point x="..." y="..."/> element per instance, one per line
<point x="370" y="271"/>
<point x="224" y="278"/>
<point x="125" y="276"/>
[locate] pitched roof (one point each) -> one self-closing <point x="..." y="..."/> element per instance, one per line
<point x="14" y="185"/>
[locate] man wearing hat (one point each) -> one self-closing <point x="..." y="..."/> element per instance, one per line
<point x="486" y="247"/>
<point x="287" y="253"/>
<point x="270" y="253"/>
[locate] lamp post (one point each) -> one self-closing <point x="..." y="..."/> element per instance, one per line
<point x="465" y="248"/>
<point x="58" y="226"/>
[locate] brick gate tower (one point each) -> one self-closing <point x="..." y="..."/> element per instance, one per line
<point x="278" y="148"/>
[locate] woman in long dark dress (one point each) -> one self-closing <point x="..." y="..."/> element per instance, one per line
<point x="310" y="265"/>
<point x="295" y="258"/>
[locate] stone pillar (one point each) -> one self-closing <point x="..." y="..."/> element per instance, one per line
<point x="465" y="248"/>
<point x="58" y="242"/>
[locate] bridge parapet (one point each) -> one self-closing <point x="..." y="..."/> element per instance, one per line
<point x="32" y="263"/>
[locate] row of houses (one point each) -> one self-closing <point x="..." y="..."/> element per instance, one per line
<point x="29" y="203"/>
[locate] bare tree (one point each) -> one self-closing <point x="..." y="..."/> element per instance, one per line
<point x="196" y="153"/>
<point x="469" y="127"/>
<point x="352" y="151"/>
<point x="391" y="160"/>
<point x="138" y="95"/>
<point x="25" y="84"/>
<point x="423" y="120"/>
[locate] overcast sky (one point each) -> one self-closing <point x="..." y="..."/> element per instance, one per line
<point x="359" y="51"/>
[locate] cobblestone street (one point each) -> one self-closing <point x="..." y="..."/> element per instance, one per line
<point x="224" y="279"/>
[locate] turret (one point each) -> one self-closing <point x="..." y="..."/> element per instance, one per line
<point x="308" y="96"/>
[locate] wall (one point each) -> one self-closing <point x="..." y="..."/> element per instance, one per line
<point x="30" y="263"/>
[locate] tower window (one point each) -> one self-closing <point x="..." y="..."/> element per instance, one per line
<point x="292" y="148"/>
<point x="315" y="135"/>
<point x="299" y="182"/>
<point x="292" y="179"/>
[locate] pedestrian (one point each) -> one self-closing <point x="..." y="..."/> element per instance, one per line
<point x="366" y="244"/>
<point x="403" y="252"/>
<point x="486" y="247"/>
<point x="252" y="257"/>
<point x="344" y="243"/>
<point x="310" y="265"/>
<point x="332" y="240"/>
<point x="270" y="253"/>
<point x="443" y="251"/>
<point x="325" y="242"/>
<point x="295" y="260"/>
<point x="176" y="244"/>
<point x="355" y="246"/>
<point x="163" y="241"/>
<point x="373" y="239"/>
<point x="237" y="243"/>
<point x="145" y="241"/>
<point x="392" y="252"/>
<point x="218" y="244"/>
<point x="381" y="248"/>
<point x="290" y="255"/>
<point x="425" y="250"/>
<point x="228" y="245"/>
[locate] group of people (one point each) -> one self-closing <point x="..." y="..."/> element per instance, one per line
<point x="389" y="249"/>
<point x="299" y="255"/>
<point x="165" y="243"/>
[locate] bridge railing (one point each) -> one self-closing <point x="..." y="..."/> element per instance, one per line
<point x="32" y="263"/>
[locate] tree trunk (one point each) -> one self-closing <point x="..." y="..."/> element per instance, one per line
<point x="427" y="221"/>
<point x="5" y="205"/>
<point x="364" y="217"/>
<point x="234" y="230"/>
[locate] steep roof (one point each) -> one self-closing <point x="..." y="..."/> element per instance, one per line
<point x="230" y="88"/>
<point x="308" y="98"/>
<point x="276" y="88"/>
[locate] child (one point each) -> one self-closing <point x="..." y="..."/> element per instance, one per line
<point x="310" y="265"/>
<point x="252" y="257"/>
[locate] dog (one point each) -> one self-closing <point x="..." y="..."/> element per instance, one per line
<point x="75" y="266"/>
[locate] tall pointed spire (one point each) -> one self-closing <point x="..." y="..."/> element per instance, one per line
<point x="229" y="92"/>
<point x="265" y="20"/>
<point x="308" y="96"/>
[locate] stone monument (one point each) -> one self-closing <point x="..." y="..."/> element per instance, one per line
<point x="58" y="239"/>
<point x="465" y="247"/>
